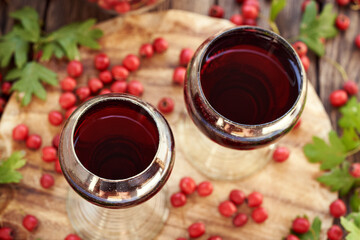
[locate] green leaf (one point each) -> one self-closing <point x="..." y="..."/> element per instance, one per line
<point x="29" y="80"/>
<point x="314" y="231"/>
<point x="11" y="44"/>
<point x="350" y="115"/>
<point x="314" y="44"/>
<point x="338" y="179"/>
<point x="350" y="139"/>
<point x="328" y="155"/>
<point x="30" y="23"/>
<point x="354" y="216"/>
<point x="276" y="7"/>
<point x="351" y="228"/>
<point x="8" y="173"/>
<point x="355" y="201"/>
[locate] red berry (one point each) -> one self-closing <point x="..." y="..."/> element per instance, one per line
<point x="357" y="40"/>
<point x="166" y="105"/>
<point x="354" y="170"/>
<point x="95" y="85"/>
<point x="237" y="196"/>
<point x="305" y="62"/>
<point x="240" y="220"/>
<point x="58" y="166"/>
<point x="335" y="233"/>
<point x="6" y="88"/>
<point x="68" y="84"/>
<point x="101" y="61"/>
<point x="146" y="50"/>
<point x="135" y="88"/>
<point x="70" y="111"/>
<point x="227" y="208"/>
<point x="46" y="180"/>
<point x="196" y="229"/>
<point x="205" y="188"/>
<point x="281" y="154"/>
<point x="259" y="215"/>
<point x="178" y="199"/>
<point x="254" y="3"/>
<point x="185" y="56"/>
<point x="292" y="237"/>
<point x="300" y="225"/>
<point x="300" y="48"/>
<point x="30" y="222"/>
<point x="55" y="118"/>
<point x="118" y="87"/>
<point x="67" y="100"/>
<point x="179" y="75"/>
<point x="249" y="11"/>
<point x="216" y="11"/>
<point x="20" y="132"/>
<point x="49" y="154"/>
<point x="237" y="19"/>
<point x="342" y="22"/>
<point x="337" y="208"/>
<point x="250" y="22"/>
<point x="56" y="141"/>
<point x="187" y="185"/>
<point x="122" y="7"/>
<point x="351" y="87"/>
<point x="6" y="233"/>
<point x="254" y="199"/>
<point x="160" y="45"/>
<point x="298" y="123"/>
<point x="215" y="238"/>
<point x="72" y="237"/>
<point x="131" y="62"/>
<point x="75" y="68"/>
<point x="83" y="93"/>
<point x="342" y="2"/>
<point x="338" y="98"/>
<point x="104" y="91"/>
<point x="119" y="73"/>
<point x="33" y="142"/>
<point x="105" y="76"/>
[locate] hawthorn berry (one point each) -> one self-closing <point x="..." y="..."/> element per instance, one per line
<point x="281" y="154"/>
<point x="166" y="105"/>
<point x="259" y="215"/>
<point x="135" y="88"/>
<point x="216" y="11"/>
<point x="185" y="56"/>
<point x="196" y="229"/>
<point x="119" y="73"/>
<point x="215" y="238"/>
<point x="240" y="220"/>
<point x="118" y="87"/>
<point x="254" y="199"/>
<point x="335" y="233"/>
<point x="250" y="22"/>
<point x="351" y="87"/>
<point x="187" y="185"/>
<point x="131" y="62"/>
<point x="342" y="2"/>
<point x="179" y="75"/>
<point x="6" y="233"/>
<point x="354" y="170"/>
<point x="357" y="40"/>
<point x="305" y="62"/>
<point x="300" y="48"/>
<point x="67" y="100"/>
<point x="254" y="3"/>
<point x="237" y="196"/>
<point x="178" y="199"/>
<point x="49" y="154"/>
<point x="337" y="208"/>
<point x="55" y="141"/>
<point x="30" y="222"/>
<point x="47" y="181"/>
<point x="2" y="104"/>
<point x="6" y="88"/>
<point x="70" y="111"/>
<point x="33" y="142"/>
<point x="72" y="237"/>
<point x="342" y="22"/>
<point x="146" y="50"/>
<point x="104" y="91"/>
<point x="237" y="19"/>
<point x="105" y="76"/>
<point x="249" y="11"/>
<point x="292" y="237"/>
<point x="227" y="208"/>
<point x="20" y="132"/>
<point x="58" y="166"/>
<point x="95" y="85"/>
<point x="300" y="225"/>
<point x="55" y="118"/>
<point x="83" y="92"/>
<point x="338" y="98"/>
<point x="101" y="61"/>
<point x="74" y="68"/>
<point x="68" y="84"/>
<point x="160" y="45"/>
<point x="205" y="188"/>
<point x="122" y="7"/>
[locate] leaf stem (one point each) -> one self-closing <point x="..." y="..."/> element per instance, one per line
<point x="352" y="152"/>
<point x="338" y="67"/>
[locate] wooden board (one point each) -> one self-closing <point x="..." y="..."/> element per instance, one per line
<point x="290" y="188"/>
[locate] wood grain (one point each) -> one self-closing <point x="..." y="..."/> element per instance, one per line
<point x="290" y="189"/>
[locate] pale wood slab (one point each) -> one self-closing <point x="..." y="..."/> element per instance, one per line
<point x="290" y="188"/>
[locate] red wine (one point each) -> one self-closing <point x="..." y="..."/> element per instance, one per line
<point x="248" y="85"/>
<point x="116" y="139"/>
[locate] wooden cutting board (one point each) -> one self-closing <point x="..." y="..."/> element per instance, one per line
<point x="289" y="188"/>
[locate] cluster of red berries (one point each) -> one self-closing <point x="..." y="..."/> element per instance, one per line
<point x="301" y="49"/>
<point x="249" y="12"/>
<point x="5" y="93"/>
<point x="120" y="6"/>
<point x="339" y="97"/>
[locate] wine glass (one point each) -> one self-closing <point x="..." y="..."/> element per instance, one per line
<point x="117" y="152"/>
<point x="245" y="88"/>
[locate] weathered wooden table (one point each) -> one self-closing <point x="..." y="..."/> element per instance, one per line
<point x="323" y="76"/>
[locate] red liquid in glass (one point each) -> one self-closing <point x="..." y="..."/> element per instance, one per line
<point x="116" y="139"/>
<point x="248" y="85"/>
